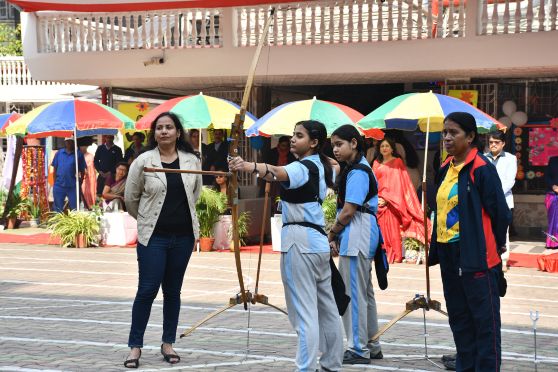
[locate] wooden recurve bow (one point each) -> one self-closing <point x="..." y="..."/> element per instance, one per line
<point x="236" y="128"/>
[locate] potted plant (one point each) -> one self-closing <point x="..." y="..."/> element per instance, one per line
<point x="329" y="206"/>
<point x="35" y="212"/>
<point x="413" y="250"/>
<point x="243" y="222"/>
<point x="210" y="205"/>
<point x="75" y="229"/>
<point x="16" y="206"/>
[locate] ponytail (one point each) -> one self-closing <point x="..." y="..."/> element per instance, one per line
<point x="317" y="131"/>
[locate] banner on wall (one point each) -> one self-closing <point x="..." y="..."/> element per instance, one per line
<point x="543" y="144"/>
<point x="469" y="96"/>
<point x="135" y="111"/>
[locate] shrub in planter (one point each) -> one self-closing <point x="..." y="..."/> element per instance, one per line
<point x="413" y="250"/>
<point x="210" y="205"/>
<point x="75" y="229"/>
<point x="16" y="206"/>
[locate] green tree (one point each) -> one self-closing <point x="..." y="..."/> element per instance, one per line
<point x="10" y="40"/>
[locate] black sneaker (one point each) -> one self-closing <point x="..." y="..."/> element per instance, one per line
<point x="449" y="364"/>
<point x="448" y="357"/>
<point x="378" y="355"/>
<point x="351" y="358"/>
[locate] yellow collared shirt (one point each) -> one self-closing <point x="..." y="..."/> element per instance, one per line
<point x="447" y="213"/>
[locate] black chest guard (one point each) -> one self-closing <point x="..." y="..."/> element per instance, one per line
<point x="342" y="187"/>
<point x="309" y="192"/>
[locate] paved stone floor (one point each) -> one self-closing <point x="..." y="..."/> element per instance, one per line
<point x="65" y="309"/>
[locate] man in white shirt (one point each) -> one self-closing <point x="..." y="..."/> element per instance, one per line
<point x="506" y="165"/>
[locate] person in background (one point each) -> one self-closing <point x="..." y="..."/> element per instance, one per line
<point x="106" y="158"/>
<point x="305" y="252"/>
<point x="408" y="155"/>
<point x="354" y="237"/>
<point x="194" y="138"/>
<point x="551" y="202"/>
<point x="222" y="231"/>
<point x="399" y="213"/>
<point x="279" y="156"/>
<point x="113" y="193"/>
<point x="64" y="164"/>
<point x="215" y="154"/>
<point x="370" y="145"/>
<point x="472" y="218"/>
<point x="506" y="165"/>
<point x="89" y="184"/>
<point x="136" y="148"/>
<point x="164" y="205"/>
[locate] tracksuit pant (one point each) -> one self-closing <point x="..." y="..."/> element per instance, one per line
<point x="312" y="309"/>
<point x="473" y="304"/>
<point x="361" y="318"/>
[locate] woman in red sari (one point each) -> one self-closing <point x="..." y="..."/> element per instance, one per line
<point x="399" y="210"/>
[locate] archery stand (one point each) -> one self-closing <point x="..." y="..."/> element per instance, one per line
<point x="419" y="301"/>
<point x="253" y="298"/>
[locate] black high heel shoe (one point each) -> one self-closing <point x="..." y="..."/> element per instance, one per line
<point x="132" y="363"/>
<point x="170" y="358"/>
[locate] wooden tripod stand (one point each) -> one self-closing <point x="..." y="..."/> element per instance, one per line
<point x="253" y="298"/>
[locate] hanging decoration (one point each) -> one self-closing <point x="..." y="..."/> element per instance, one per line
<point x="33" y="183"/>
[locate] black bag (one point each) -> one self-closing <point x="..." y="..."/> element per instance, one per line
<point x="381" y="266"/>
<point x="338" y="286"/>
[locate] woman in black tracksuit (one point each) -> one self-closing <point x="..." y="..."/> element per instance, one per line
<point x="468" y="236"/>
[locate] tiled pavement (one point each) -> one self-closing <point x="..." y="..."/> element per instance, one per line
<point x="69" y="310"/>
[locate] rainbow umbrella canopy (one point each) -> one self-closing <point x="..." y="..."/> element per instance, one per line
<point x="7" y="119"/>
<point x="282" y="119"/>
<point x="412" y="110"/>
<point x="198" y="112"/>
<point x="68" y="118"/>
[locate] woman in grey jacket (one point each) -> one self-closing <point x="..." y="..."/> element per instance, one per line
<point x="164" y="206"/>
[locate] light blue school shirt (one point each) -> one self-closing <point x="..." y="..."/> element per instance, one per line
<point x="307" y="239"/>
<point x="362" y="233"/>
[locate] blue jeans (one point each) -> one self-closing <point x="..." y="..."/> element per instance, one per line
<point x="161" y="263"/>
<point x="61" y="192"/>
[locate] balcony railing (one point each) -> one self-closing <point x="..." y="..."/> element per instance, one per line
<point x="351" y="21"/>
<point x="14" y="71"/>
<point x="95" y="32"/>
<point x="304" y="23"/>
<point x="518" y="16"/>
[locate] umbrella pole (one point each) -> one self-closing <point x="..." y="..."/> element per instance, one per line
<point x="77" y="169"/>
<point x="425" y="210"/>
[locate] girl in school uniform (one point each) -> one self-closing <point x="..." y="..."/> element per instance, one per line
<point x="305" y="251"/>
<point x="354" y="237"/>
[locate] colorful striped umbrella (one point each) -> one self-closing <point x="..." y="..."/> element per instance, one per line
<point x="282" y="119"/>
<point x="408" y="111"/>
<point x="7" y="119"/>
<point x="198" y="112"/>
<point x="68" y="118"/>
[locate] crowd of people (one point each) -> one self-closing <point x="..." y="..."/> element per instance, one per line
<point x="377" y="207"/>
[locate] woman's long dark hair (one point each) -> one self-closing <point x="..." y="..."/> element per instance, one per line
<point x="391" y="142"/>
<point x="347" y="132"/>
<point x="317" y="131"/>
<point x="181" y="143"/>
